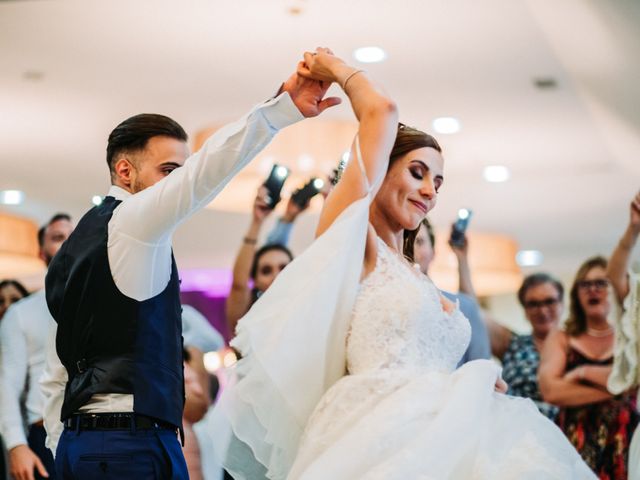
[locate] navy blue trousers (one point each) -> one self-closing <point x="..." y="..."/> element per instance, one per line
<point x="36" y="438"/>
<point x="120" y="455"/>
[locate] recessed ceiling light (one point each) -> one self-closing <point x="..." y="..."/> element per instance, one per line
<point x="446" y="125"/>
<point x="96" y="200"/>
<point x="11" y="197"/>
<point x="369" y="54"/>
<point x="529" y="258"/>
<point x="33" y="75"/>
<point x="545" y="83"/>
<point x="496" y="173"/>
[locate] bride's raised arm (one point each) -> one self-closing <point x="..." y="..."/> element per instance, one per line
<point x="378" y="119"/>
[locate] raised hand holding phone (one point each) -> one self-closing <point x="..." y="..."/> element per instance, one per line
<point x="459" y="229"/>
<point x="274" y="183"/>
<point x="303" y="195"/>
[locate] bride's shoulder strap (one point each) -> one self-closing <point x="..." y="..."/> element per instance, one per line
<point x="368" y="186"/>
<point x="363" y="170"/>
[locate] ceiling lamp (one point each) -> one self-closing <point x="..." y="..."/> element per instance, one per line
<point x="529" y="258"/>
<point x="19" y="248"/>
<point x="496" y="173"/>
<point x="446" y="125"/>
<point x="492" y="260"/>
<point x="11" y="197"/>
<point x="369" y="54"/>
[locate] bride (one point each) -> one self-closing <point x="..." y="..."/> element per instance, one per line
<point x="348" y="368"/>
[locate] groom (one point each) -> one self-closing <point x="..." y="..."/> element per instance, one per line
<point x="113" y="289"/>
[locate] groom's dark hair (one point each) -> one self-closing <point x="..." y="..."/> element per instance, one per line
<point x="132" y="135"/>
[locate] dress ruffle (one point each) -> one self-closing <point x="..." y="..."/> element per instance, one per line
<point x="398" y="424"/>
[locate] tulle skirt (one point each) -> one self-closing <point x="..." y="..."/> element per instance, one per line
<point x="397" y="424"/>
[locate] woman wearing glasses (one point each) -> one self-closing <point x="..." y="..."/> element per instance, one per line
<point x="575" y="365"/>
<point x="541" y="297"/>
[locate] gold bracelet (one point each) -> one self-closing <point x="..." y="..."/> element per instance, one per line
<point x="250" y="241"/>
<point x="344" y="85"/>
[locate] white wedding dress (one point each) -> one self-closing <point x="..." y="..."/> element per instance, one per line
<point x="404" y="412"/>
<point x="349" y="380"/>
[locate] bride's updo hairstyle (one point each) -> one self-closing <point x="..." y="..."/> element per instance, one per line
<point x="407" y="140"/>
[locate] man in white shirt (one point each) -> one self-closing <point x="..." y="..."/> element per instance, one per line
<point x="23" y="334"/>
<point x="198" y="332"/>
<point x="113" y="290"/>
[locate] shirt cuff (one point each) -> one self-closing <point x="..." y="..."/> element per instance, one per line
<point x="281" y="112"/>
<point x="13" y="437"/>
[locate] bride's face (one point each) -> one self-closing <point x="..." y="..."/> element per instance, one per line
<point x="410" y="188"/>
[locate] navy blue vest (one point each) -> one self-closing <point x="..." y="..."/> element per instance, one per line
<point x="108" y="342"/>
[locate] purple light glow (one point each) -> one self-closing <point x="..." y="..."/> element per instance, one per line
<point x="215" y="283"/>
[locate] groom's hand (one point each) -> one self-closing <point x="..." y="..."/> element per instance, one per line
<point x="308" y="95"/>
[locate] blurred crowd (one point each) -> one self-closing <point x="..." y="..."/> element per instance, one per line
<point x="578" y="364"/>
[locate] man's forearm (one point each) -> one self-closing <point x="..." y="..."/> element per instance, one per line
<point x="13" y="377"/>
<point x="52" y="383"/>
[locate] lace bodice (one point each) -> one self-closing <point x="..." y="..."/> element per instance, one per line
<point x="398" y="321"/>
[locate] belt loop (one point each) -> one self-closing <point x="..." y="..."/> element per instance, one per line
<point x="77" y="429"/>
<point x="133" y="423"/>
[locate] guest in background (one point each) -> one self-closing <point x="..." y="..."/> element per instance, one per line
<point x="626" y="287"/>
<point x="198" y="332"/>
<point x="541" y="297"/>
<point x="574" y="368"/>
<point x="420" y="248"/>
<point x="197" y="401"/>
<point x="23" y="334"/>
<point x="260" y="266"/>
<point x="10" y="292"/>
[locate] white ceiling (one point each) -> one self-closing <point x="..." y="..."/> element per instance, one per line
<point x="573" y="151"/>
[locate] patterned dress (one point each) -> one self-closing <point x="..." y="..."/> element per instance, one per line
<point x="601" y="431"/>
<point x="520" y="370"/>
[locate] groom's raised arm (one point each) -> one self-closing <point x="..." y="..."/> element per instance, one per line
<point x="224" y="154"/>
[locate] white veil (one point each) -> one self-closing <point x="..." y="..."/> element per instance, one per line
<point x="293" y="345"/>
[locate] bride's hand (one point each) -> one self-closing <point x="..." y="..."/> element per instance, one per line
<point x="322" y="65"/>
<point x="501" y="386"/>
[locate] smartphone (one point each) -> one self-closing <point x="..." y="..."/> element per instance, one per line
<point x="274" y="184"/>
<point x="302" y="196"/>
<point x="460" y="227"/>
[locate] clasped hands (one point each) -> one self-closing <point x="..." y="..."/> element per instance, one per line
<point x="313" y="77"/>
